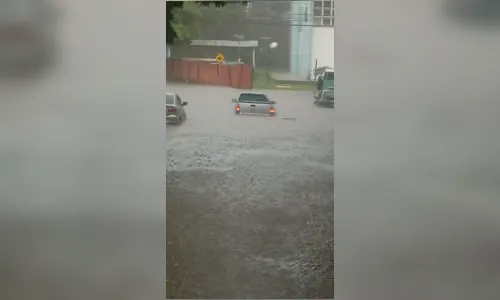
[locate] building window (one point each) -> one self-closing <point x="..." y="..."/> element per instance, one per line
<point x="323" y="13"/>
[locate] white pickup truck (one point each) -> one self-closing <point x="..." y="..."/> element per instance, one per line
<point x="254" y="104"/>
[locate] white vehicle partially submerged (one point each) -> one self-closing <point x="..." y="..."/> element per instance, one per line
<point x="326" y="81"/>
<point x="174" y="106"/>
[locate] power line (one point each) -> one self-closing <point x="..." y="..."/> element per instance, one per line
<point x="284" y="23"/>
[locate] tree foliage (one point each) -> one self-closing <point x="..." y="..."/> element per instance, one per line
<point x="185" y="24"/>
<point x="186" y="21"/>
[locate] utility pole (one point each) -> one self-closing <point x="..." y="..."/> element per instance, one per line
<point x="240" y="38"/>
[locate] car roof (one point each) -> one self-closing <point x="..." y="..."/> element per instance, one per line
<point x="329" y="70"/>
<point x="255" y="94"/>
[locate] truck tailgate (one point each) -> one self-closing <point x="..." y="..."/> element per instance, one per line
<point x="247" y="107"/>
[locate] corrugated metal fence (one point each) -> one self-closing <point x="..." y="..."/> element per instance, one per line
<point x="238" y="76"/>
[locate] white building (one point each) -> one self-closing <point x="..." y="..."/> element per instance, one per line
<point x="311" y="36"/>
<point x="323" y="34"/>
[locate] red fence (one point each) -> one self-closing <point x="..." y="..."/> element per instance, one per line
<point x="237" y="76"/>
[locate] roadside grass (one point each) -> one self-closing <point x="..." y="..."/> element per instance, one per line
<point x="262" y="79"/>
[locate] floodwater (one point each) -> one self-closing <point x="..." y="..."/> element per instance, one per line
<point x="249" y="198"/>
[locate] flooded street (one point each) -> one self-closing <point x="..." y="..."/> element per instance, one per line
<point x="249" y="198"/>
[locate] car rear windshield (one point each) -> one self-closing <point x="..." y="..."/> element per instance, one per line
<point x="329" y="75"/>
<point x="170" y="99"/>
<point x="253" y="97"/>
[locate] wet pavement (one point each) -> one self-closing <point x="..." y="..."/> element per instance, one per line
<point x="249" y="198"/>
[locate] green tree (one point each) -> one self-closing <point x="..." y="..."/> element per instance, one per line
<point x="184" y="19"/>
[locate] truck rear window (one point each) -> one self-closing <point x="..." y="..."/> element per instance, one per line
<point x="329" y="76"/>
<point x="253" y="97"/>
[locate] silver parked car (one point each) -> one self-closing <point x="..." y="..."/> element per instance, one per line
<point x="176" y="113"/>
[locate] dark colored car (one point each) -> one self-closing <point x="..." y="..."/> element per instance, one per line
<point x="325" y="98"/>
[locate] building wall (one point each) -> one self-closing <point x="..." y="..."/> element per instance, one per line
<point x="323" y="46"/>
<point x="301" y="38"/>
<point x="323" y="11"/>
<point x="312" y="37"/>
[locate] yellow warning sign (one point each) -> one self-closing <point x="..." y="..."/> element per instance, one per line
<point x="219" y="57"/>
